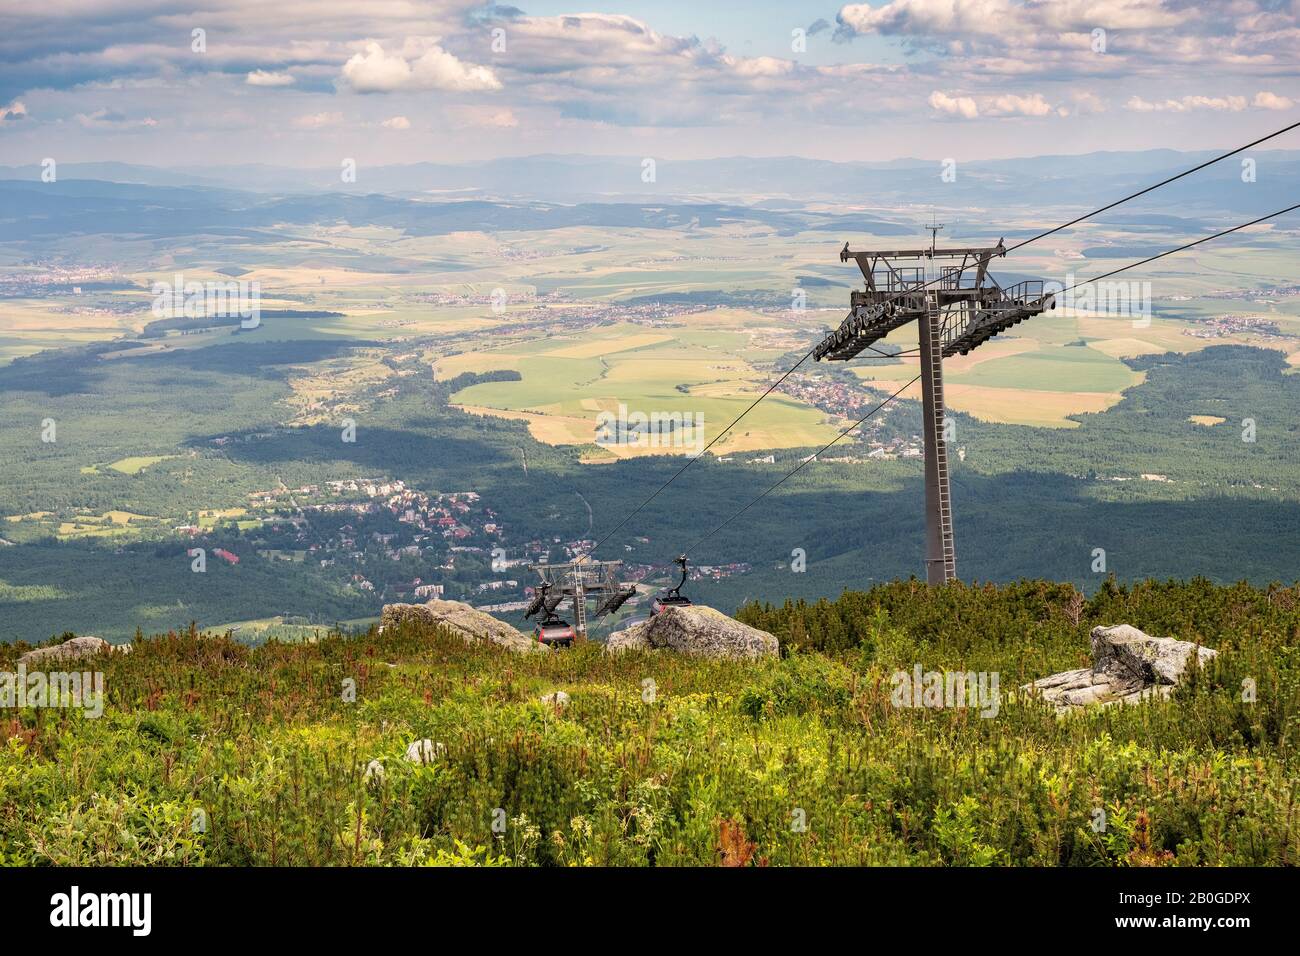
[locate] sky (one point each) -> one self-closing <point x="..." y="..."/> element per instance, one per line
<point x="309" y="83"/>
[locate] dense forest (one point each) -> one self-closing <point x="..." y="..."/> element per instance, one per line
<point x="1029" y="502"/>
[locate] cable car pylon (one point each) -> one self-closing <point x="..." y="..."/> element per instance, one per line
<point x="954" y="314"/>
<point x="576" y="581"/>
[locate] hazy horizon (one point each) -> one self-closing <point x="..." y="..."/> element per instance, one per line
<point x="721" y="157"/>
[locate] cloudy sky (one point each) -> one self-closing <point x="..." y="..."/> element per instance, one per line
<point x="305" y="82"/>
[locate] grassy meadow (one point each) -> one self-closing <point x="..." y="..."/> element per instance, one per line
<point x="213" y="753"/>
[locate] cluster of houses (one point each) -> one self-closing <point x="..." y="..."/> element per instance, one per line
<point x="830" y="395"/>
<point x="51" y="279"/>
<point x="435" y="525"/>
<point x="1226" y="325"/>
<point x="438" y="523"/>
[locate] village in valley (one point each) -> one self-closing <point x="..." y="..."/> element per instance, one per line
<point x="397" y="543"/>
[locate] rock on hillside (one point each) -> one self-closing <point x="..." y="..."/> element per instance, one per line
<point x="69" y="650"/>
<point x="471" y="624"/>
<point x="696" y="630"/>
<point x="1128" y="665"/>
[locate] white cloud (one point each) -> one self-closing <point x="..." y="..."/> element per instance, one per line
<point x="575" y="81"/>
<point x="1006" y="18"/>
<point x="962" y="106"/>
<point x="1004" y="104"/>
<point x="1157" y="39"/>
<point x="396" y="122"/>
<point x="1011" y="104"/>
<point x="268" y="78"/>
<point x="760" y="66"/>
<point x="1265" y="100"/>
<point x="601" y="53"/>
<point x="318" y="120"/>
<point x="1086" y="102"/>
<point x="1231" y="104"/>
<point x="375" y="71"/>
<point x="111" y="119"/>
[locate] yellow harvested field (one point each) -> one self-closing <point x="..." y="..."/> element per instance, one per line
<point x="223" y="513"/>
<point x="1159" y="336"/>
<point x="124" y="517"/>
<point x="599" y="347"/>
<point x="672" y="371"/>
<point x="565" y="430"/>
<point x="770" y="437"/>
<point x="1026" y="406"/>
<point x="99" y="526"/>
<point x="331" y="278"/>
<point x="727" y="388"/>
<point x="736" y="319"/>
<point x="31" y="516"/>
<point x="569" y="430"/>
<point x="1125" y="348"/>
<point x="484" y="360"/>
<point x="559" y="430"/>
<point x="28" y="326"/>
<point x="24" y="315"/>
<point x="996" y="349"/>
<point x="551" y="429"/>
<point x="1013" y="406"/>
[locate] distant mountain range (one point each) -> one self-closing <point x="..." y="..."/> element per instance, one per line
<point x="45" y="212"/>
<point x="546" y="192"/>
<point x="772" y="183"/>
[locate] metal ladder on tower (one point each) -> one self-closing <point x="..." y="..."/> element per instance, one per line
<point x="941" y="557"/>
<point x="579" y="604"/>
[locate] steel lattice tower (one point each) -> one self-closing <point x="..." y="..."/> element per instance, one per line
<point x="954" y="313"/>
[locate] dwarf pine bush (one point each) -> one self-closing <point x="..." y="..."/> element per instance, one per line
<point x="213" y="753"/>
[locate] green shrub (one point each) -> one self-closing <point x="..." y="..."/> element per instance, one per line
<point x="796" y="761"/>
<point x="799" y="684"/>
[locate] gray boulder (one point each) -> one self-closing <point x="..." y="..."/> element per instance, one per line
<point x="1128" y="666"/>
<point x="69" y="650"/>
<point x="696" y="630"/>
<point x="471" y="624"/>
<point x="629" y="639"/>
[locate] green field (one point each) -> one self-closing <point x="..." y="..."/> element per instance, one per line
<point x="692" y="372"/>
<point x="181" y="430"/>
<point x="1078" y="369"/>
<point x="135" y="465"/>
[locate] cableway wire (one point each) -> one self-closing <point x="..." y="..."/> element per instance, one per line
<point x="859" y="422"/>
<point x="911" y="291"/>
